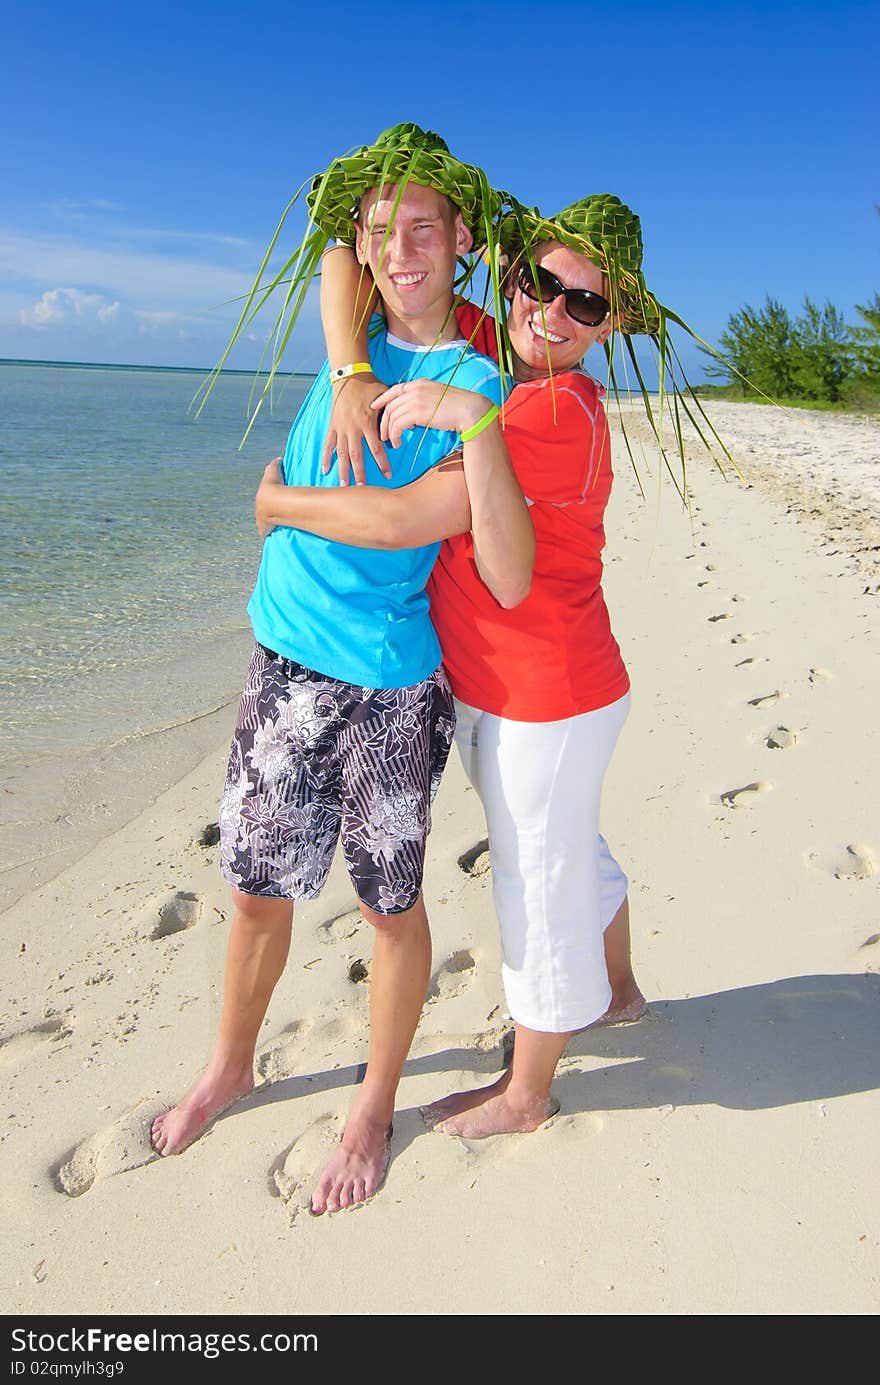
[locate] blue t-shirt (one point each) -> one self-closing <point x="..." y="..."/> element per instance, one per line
<point x="361" y="614"/>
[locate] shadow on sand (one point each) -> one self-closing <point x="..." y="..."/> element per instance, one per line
<point x="804" y="1038"/>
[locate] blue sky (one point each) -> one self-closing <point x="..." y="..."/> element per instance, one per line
<point x="148" y="150"/>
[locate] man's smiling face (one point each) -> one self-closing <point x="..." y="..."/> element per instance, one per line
<point x="412" y="253"/>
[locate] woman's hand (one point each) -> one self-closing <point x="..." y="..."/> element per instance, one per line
<point x="265" y="497"/>
<point x="429" y="404"/>
<point x="353" y="423"/>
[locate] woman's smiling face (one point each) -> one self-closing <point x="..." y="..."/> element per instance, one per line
<point x="555" y="336"/>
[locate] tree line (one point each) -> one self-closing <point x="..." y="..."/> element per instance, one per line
<point x="816" y="355"/>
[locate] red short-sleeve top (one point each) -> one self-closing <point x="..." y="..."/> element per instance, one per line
<point x="554" y="655"/>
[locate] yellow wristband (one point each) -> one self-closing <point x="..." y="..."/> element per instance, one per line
<point x="344" y="372"/>
<point x="481" y="423"/>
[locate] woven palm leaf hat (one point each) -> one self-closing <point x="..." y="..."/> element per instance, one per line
<point x="608" y="233"/>
<point x="408" y="154"/>
<point x="401" y="155"/>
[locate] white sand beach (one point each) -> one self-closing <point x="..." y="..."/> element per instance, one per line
<point x="715" y="1158"/>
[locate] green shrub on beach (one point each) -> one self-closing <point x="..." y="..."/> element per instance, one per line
<point x="816" y="356"/>
<point x="817" y="359"/>
<point x="862" y="389"/>
<point x="756" y="350"/>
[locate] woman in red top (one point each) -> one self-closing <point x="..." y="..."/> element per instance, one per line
<point x="542" y="690"/>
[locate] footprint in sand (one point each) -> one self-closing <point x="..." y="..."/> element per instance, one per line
<point x="744" y="797"/>
<point x="455" y="975"/>
<point x="767" y="699"/>
<point x="181" y="911"/>
<point x="279" y="1058"/>
<point x="819" y="675"/>
<point x="752" y="659"/>
<point x="738" y="596"/>
<point x="487" y="1052"/>
<point x="342" y="926"/>
<point x="852" y="862"/>
<point x="490" y="1051"/>
<point x="15" y="1048"/>
<point x="857" y="864"/>
<point x="122" y="1146"/>
<point x="295" y="1172"/>
<point x="780" y="738"/>
<point x="723" y="615"/>
<point x="742" y="638"/>
<point x="494" y="1047"/>
<point x="475" y="861"/>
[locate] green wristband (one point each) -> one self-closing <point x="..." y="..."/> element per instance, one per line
<point x="488" y="417"/>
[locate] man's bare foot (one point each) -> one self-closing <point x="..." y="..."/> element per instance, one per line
<point x="456" y="1102"/>
<point x="357" y="1168"/>
<point x="174" y="1130"/>
<point x="499" y="1115"/>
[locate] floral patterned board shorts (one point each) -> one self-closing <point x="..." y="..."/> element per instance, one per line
<point x="312" y="758"/>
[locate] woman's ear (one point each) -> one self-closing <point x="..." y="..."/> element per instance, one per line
<point x="611" y="324"/>
<point x="509" y="273"/>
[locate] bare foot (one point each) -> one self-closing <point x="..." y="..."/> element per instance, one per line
<point x="174" y="1130"/>
<point x="627" y="1005"/>
<point x="500" y="1116"/>
<point x="357" y="1168"/>
<point x="457" y="1102"/>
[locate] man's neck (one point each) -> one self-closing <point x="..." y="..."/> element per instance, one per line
<point x="433" y="329"/>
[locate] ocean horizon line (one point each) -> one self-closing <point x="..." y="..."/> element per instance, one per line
<point x="203" y="372"/>
<point x="172" y="369"/>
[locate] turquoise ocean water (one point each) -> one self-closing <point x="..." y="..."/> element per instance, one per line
<point x="127" y="554"/>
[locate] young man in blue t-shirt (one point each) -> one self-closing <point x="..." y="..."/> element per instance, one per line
<point x="346" y="720"/>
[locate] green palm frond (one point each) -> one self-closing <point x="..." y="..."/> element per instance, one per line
<point x="399" y="156"/>
<point x="608" y="233"/>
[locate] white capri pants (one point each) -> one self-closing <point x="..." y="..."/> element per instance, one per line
<point x="556" y="885"/>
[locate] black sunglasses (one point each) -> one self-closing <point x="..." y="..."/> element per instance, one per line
<point x="589" y="309"/>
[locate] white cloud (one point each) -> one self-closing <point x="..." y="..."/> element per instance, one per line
<point x="158" y="233"/>
<point x="103" y="294"/>
<point x="81" y="302"/>
<point x="47" y="310"/>
<point x="77" y="207"/>
<point x="56" y="305"/>
<point x="157" y="319"/>
<point x="77" y="212"/>
<point x="141" y="276"/>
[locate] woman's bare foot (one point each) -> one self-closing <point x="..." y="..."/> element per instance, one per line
<point x="174" y="1130"/>
<point x="627" y="1005"/>
<point x="500" y="1115"/>
<point x="456" y="1102"/>
<point x="357" y="1168"/>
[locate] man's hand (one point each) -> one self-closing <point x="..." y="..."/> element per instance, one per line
<point x="266" y="494"/>
<point x="429" y="404"/>
<point x="353" y="423"/>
